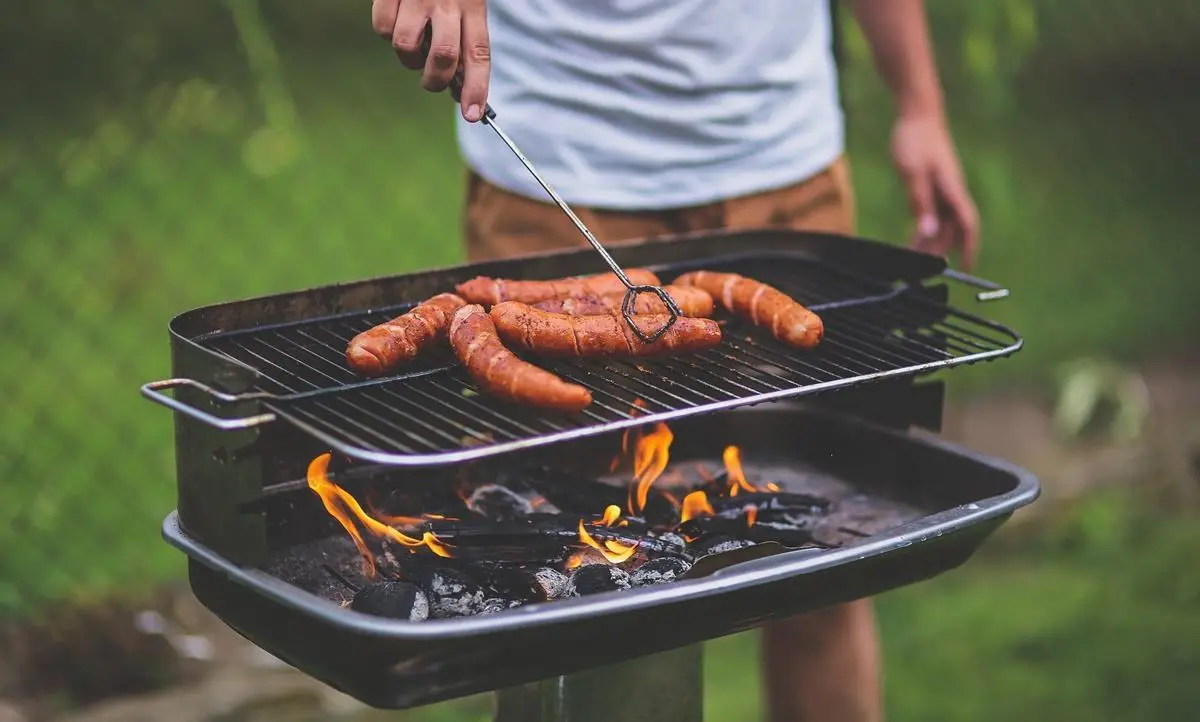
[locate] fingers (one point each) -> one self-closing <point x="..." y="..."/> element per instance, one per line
<point x="383" y="17"/>
<point x="408" y="34"/>
<point x="962" y="214"/>
<point x="442" y="63"/>
<point x="922" y="202"/>
<point x="477" y="61"/>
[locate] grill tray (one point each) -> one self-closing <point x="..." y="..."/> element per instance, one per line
<point x="962" y="497"/>
<point x="879" y="324"/>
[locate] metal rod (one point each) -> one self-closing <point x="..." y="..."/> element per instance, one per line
<point x="664" y="687"/>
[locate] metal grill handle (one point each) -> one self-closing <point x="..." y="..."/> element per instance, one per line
<point x="991" y="291"/>
<point x="631" y="291"/>
<point x="154" y="389"/>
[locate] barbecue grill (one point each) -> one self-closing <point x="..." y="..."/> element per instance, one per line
<point x="261" y="389"/>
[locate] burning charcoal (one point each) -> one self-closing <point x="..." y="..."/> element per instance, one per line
<point x="673" y="539"/>
<point x="453" y="594"/>
<point x="491" y="606"/>
<point x="597" y="578"/>
<point x="551" y="582"/>
<point x="659" y="571"/>
<point x="396" y="600"/>
<point x="660" y="512"/>
<point x="498" y="503"/>
<point x="717" y="544"/>
<point x="790" y="535"/>
<point x="782" y="502"/>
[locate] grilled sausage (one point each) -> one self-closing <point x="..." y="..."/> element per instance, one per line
<point x="553" y="334"/>
<point x="692" y="302"/>
<point x="763" y="305"/>
<point x="489" y="291"/>
<point x="500" y="373"/>
<point x="398" y="341"/>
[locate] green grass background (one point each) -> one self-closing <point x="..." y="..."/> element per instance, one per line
<point x="161" y="158"/>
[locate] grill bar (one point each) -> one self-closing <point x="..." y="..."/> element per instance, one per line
<point x="433" y="414"/>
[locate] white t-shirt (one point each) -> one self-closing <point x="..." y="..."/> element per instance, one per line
<point x="657" y="104"/>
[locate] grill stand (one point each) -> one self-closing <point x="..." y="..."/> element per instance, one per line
<point x="664" y="687"/>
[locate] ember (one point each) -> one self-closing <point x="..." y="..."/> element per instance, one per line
<point x="534" y="535"/>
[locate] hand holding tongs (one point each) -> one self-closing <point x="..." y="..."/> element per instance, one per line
<point x="632" y="291"/>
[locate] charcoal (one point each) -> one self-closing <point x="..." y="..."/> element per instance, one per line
<point x="659" y="571"/>
<point x="550" y="582"/>
<point x="498" y="503"/>
<point x="717" y="544"/>
<point x="660" y="512"/>
<point x="761" y="531"/>
<point x="597" y="578"/>
<point x="453" y="594"/>
<point x="768" y="502"/>
<point x="396" y="600"/>
<point x="673" y="539"/>
<point x="495" y="604"/>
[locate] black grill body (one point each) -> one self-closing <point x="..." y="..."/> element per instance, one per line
<point x="395" y="664"/>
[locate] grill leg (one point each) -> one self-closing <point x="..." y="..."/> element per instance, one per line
<point x="665" y="687"/>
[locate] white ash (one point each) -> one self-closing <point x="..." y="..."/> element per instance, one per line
<point x="491" y="606"/>
<point x="499" y="503"/>
<point x="452" y="597"/>
<point x="618" y="577"/>
<point x="671" y="537"/>
<point x="727" y="546"/>
<point x="659" y="571"/>
<point x="420" y="607"/>
<point x="552" y="582"/>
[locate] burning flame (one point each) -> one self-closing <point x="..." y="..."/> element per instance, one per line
<point x="651" y="454"/>
<point x="695" y="504"/>
<point x="751" y="515"/>
<point x="733" y="468"/>
<point x="342" y="506"/>
<point x="613" y="551"/>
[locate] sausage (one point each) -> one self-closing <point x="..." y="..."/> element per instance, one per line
<point x="489" y="291"/>
<point x="554" y="334"/>
<point x="500" y="373"/>
<point x="763" y="305"/>
<point x="398" y="341"/>
<point x="692" y="302"/>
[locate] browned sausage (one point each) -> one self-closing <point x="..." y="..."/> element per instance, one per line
<point x="692" y="302"/>
<point x="553" y="334"/>
<point x="489" y="291"/>
<point x="398" y="341"/>
<point x="500" y="373"/>
<point x="788" y="321"/>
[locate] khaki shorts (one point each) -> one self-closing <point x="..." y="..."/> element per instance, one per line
<point x="499" y="224"/>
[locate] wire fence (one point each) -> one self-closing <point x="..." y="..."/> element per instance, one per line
<point x="158" y="157"/>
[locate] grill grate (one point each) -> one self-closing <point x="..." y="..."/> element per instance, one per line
<point x="434" y="414"/>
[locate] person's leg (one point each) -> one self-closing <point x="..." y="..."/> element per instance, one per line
<point x="823" y="666"/>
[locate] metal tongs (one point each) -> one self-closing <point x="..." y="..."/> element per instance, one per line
<point x="632" y="291"/>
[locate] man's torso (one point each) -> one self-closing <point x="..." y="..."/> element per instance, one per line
<point x="649" y="104"/>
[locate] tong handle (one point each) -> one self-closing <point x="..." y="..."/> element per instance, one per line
<point x="988" y="291"/>
<point x="456" y="82"/>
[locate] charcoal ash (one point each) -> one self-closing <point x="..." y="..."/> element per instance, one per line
<point x="551" y="583"/>
<point x="676" y="541"/>
<point x="495" y="604"/>
<point x="392" y="599"/>
<point x="659" y="571"/>
<point x="771" y="502"/>
<point x="499" y="503"/>
<point x="717" y="544"/>
<point x="597" y="578"/>
<point x="452" y="593"/>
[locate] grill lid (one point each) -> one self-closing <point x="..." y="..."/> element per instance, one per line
<point x="434" y="414"/>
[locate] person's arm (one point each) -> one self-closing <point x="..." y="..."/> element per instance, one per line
<point x="922" y="149"/>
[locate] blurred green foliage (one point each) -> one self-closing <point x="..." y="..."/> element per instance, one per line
<point x="156" y="157"/>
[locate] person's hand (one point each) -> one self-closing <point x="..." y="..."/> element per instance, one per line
<point x="459" y="38"/>
<point x="941" y="204"/>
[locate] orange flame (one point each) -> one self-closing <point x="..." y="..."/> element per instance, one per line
<point x="651" y="455"/>
<point x="695" y="504"/>
<point x="338" y="502"/>
<point x="614" y="552"/>
<point x="733" y="468"/>
<point x="751" y="515"/>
